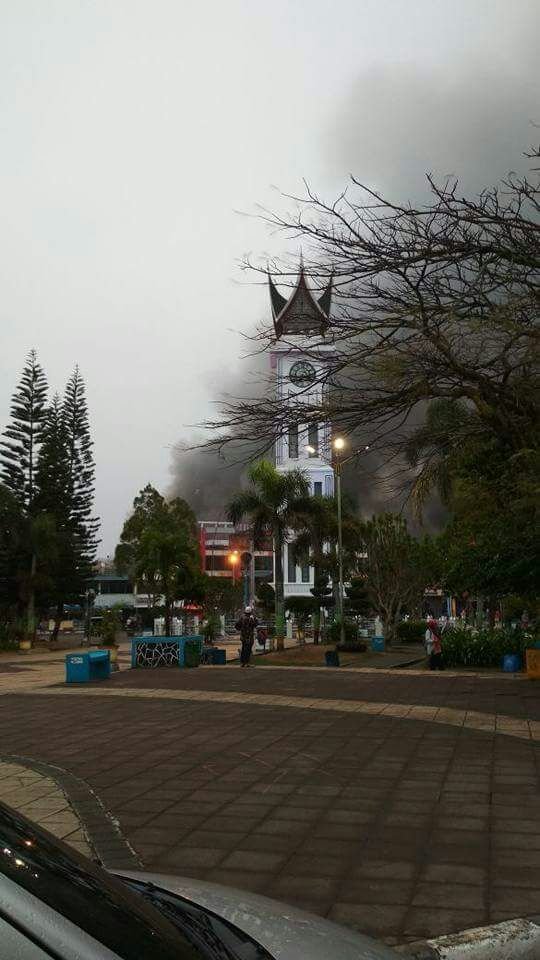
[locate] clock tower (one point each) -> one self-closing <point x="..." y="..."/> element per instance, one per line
<point x="298" y="370"/>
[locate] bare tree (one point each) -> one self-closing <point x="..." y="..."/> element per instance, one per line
<point x="438" y="301"/>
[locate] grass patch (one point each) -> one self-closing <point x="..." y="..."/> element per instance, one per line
<point x="307" y="656"/>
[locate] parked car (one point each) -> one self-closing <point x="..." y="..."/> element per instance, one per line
<point x="55" y="903"/>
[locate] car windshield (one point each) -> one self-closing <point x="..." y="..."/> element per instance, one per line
<point x="83" y="893"/>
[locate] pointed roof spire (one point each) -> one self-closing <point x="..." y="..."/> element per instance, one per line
<point x="302" y="313"/>
<point x="277" y="301"/>
<point x="325" y="301"/>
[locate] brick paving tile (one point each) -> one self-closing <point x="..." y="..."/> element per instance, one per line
<point x="453" y="873"/>
<point x="241" y="879"/>
<point x="530" y="827"/>
<point x="420" y="923"/>
<point x="466" y="855"/>
<point x="445" y="822"/>
<point x="239" y="824"/>
<point x="326" y="830"/>
<point x="267" y="843"/>
<point x="305" y="865"/>
<point x="516" y="841"/>
<point x="379" y="920"/>
<point x="289" y="885"/>
<point x="187" y="857"/>
<point x="518" y="900"/>
<point x="368" y="890"/>
<point x="205" y="838"/>
<point x="502" y="859"/>
<point x="449" y="895"/>
<point x="251" y="860"/>
<point x="286" y="828"/>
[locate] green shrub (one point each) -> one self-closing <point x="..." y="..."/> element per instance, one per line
<point x="211" y="627"/>
<point x="333" y="632"/>
<point x="411" y="631"/>
<point x="109" y="627"/>
<point x="352" y="646"/>
<point x="482" y="648"/>
<point x="9" y="636"/>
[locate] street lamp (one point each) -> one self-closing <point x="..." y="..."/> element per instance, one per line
<point x="234" y="560"/>
<point x="339" y="444"/>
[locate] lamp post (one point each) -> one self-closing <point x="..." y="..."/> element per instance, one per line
<point x="338" y="462"/>
<point x="339" y="444"/>
<point x="90" y="596"/>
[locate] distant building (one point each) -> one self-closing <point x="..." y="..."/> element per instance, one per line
<point x="220" y="540"/>
<point x="111" y="590"/>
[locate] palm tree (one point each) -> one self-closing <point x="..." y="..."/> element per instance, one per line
<point x="316" y="529"/>
<point x="316" y="543"/>
<point x="271" y="505"/>
<point x="435" y="448"/>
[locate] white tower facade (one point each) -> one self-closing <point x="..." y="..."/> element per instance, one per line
<point x="298" y="370"/>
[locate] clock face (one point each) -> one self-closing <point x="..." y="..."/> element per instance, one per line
<point x="302" y="373"/>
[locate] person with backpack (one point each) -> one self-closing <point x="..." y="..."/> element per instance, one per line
<point x="433" y="643"/>
<point x="246" y="626"/>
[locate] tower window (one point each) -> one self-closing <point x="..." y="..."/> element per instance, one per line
<point x="313" y="438"/>
<point x="293" y="442"/>
<point x="317" y="488"/>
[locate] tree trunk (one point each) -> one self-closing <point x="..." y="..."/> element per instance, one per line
<point x="168" y="617"/>
<point x="30" y="629"/>
<point x="479" y="611"/>
<point x="389" y="627"/>
<point x="280" y="601"/>
<point x="316" y="625"/>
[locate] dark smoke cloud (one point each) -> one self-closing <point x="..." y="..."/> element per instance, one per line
<point x="208" y="480"/>
<point x="397" y="122"/>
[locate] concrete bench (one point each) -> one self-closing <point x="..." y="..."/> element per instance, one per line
<point x="88" y="667"/>
<point x="152" y="652"/>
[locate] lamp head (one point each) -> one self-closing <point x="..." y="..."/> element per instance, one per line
<point x="339" y="443"/>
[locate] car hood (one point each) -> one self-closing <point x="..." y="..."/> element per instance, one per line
<point x="287" y="933"/>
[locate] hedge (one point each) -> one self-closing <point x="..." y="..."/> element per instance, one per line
<point x="334" y="633"/>
<point x="482" y="648"/>
<point x="411" y="631"/>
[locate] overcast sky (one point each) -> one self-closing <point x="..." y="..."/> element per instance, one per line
<point x="131" y="131"/>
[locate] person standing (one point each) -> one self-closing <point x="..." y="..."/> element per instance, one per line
<point x="434" y="644"/>
<point x="262" y="636"/>
<point x="246" y="625"/>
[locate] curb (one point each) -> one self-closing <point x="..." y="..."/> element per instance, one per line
<point x="103" y="832"/>
<point x="510" y="940"/>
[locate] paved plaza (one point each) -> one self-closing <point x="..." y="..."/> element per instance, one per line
<point x="402" y="803"/>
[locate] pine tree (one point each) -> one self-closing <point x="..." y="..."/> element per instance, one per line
<point x="21" y="441"/>
<point x="52" y="476"/>
<point x="81" y="472"/>
<point x="19" y="451"/>
<point x="53" y="501"/>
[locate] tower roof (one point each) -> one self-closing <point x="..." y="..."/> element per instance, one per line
<point x="302" y="313"/>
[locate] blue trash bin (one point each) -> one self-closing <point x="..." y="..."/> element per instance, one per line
<point x="331" y="658"/>
<point x="377" y="644"/>
<point x="511" y="663"/>
<point x="219" y="657"/>
<point x="87" y="667"/>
